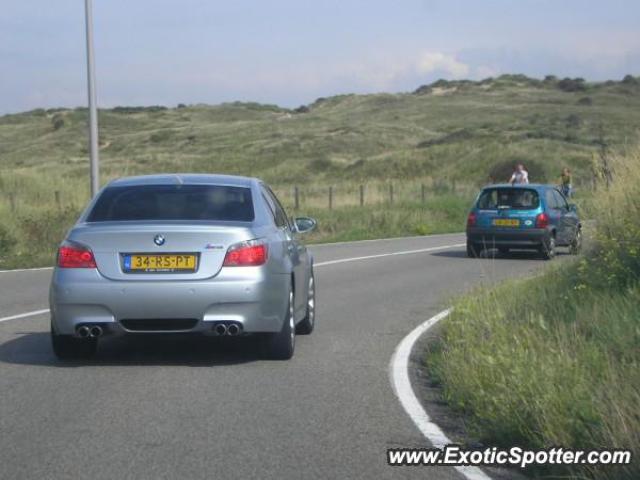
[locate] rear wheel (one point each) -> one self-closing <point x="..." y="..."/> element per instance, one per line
<point x="306" y="326"/>
<point x="473" y="249"/>
<point x="576" y="244"/>
<point x="548" y="249"/>
<point x="280" y="346"/>
<point x="67" y="347"/>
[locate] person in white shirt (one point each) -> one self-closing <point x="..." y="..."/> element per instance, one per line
<point x="520" y="176"/>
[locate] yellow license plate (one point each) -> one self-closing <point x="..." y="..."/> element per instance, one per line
<point x="160" y="263"/>
<point x="506" y="222"/>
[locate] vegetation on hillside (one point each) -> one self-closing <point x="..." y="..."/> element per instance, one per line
<point x="554" y="360"/>
<point x="447" y="133"/>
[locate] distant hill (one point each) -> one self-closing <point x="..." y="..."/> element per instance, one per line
<point x="457" y="130"/>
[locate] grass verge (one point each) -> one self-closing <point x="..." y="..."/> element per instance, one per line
<point x="554" y="360"/>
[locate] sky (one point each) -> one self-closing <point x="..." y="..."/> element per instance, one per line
<point x="290" y="52"/>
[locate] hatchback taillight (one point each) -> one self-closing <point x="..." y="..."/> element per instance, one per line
<point x="246" y="254"/>
<point x="542" y="220"/>
<point x="75" y="256"/>
<point x="472" y="219"/>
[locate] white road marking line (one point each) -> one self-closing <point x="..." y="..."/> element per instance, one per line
<point x="401" y="383"/>
<point x="24" y="315"/>
<point x="385" y="239"/>
<point x="381" y="255"/>
<point x="18" y="270"/>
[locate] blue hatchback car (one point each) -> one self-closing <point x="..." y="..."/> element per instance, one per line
<point x="528" y="217"/>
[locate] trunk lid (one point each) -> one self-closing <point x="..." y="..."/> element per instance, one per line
<point x="111" y="241"/>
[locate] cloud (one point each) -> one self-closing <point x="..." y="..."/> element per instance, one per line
<point x="434" y="62"/>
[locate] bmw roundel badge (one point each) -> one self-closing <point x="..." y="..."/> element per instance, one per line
<point x="158" y="240"/>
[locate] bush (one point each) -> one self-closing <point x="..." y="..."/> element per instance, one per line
<point x="47" y="228"/>
<point x="585" y="101"/>
<point x="572" y="85"/>
<point x="57" y="121"/>
<point x="7" y="242"/>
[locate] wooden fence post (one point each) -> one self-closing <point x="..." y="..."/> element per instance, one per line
<point x="296" y="196"/>
<point x="423" y="192"/>
<point x="330" y="197"/>
<point x="56" y="195"/>
<point x="361" y="195"/>
<point x="391" y="193"/>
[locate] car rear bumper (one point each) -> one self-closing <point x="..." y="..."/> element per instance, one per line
<point x="249" y="296"/>
<point x="490" y="237"/>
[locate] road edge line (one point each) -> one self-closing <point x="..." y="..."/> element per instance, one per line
<point x="24" y="315"/>
<point x="401" y="384"/>
<point x="389" y="254"/>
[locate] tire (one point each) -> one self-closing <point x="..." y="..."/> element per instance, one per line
<point x="548" y="249"/>
<point x="67" y="347"/>
<point x="281" y="345"/>
<point x="308" y="323"/>
<point x="576" y="244"/>
<point x="473" y="250"/>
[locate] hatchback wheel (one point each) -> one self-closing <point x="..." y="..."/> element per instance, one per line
<point x="473" y="250"/>
<point x="282" y="344"/>
<point x="306" y="326"/>
<point x="548" y="249"/>
<point x="576" y="244"/>
<point x="67" y="347"/>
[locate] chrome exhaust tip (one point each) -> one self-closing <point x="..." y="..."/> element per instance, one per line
<point x="220" y="329"/>
<point x="83" y="331"/>
<point x="95" y="331"/>
<point x="233" y="329"/>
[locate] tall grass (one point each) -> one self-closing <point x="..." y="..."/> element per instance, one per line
<point x="554" y="360"/>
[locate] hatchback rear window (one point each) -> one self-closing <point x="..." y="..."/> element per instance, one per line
<point x="174" y="202"/>
<point x="516" y="198"/>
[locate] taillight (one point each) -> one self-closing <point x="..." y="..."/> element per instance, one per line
<point x="75" y="256"/>
<point x="472" y="219"/>
<point x="246" y="254"/>
<point x="542" y="220"/>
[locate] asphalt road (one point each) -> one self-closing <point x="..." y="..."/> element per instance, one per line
<point x="191" y="409"/>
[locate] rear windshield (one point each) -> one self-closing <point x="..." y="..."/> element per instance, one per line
<point x="174" y="202"/>
<point x="517" y="198"/>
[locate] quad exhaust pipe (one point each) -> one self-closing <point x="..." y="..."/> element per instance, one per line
<point x="95" y="331"/>
<point x="86" y="331"/>
<point x="220" y="329"/>
<point x="231" y="329"/>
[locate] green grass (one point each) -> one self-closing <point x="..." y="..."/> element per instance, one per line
<point x="554" y="360"/>
<point x="452" y="133"/>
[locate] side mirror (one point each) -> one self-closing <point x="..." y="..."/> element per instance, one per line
<point x="573" y="208"/>
<point x="304" y="224"/>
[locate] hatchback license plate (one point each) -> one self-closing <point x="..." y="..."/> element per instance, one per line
<point x="141" y="263"/>
<point x="506" y="222"/>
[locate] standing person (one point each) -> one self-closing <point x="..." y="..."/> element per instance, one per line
<point x="565" y="182"/>
<point x="520" y="176"/>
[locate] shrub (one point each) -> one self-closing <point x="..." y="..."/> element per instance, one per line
<point x="585" y="101"/>
<point x="572" y="85"/>
<point x="57" y="121"/>
<point x="7" y="242"/>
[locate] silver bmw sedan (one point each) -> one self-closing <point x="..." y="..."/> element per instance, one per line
<point x="208" y="254"/>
